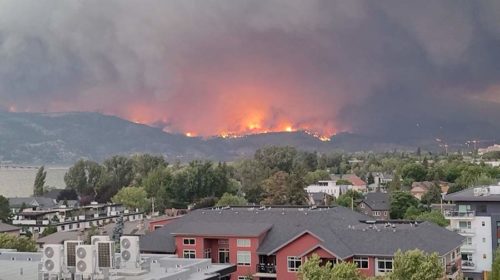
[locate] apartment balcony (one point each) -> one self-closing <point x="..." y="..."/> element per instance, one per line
<point x="452" y="271"/>
<point x="467" y="248"/>
<point x="460" y="215"/>
<point x="464" y="231"/>
<point x="265" y="270"/>
<point x="468" y="265"/>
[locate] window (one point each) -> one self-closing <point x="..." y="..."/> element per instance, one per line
<point x="243" y="278"/>
<point x="482" y="208"/>
<point x="243" y="257"/>
<point x="468" y="241"/>
<point x="223" y="255"/>
<point x="376" y="213"/>
<point x="243" y="242"/>
<point x="189" y="254"/>
<point x="361" y="262"/>
<point x="384" y="266"/>
<point x="464" y="224"/>
<point x="362" y="205"/>
<point x="294" y="263"/>
<point x="483" y="223"/>
<point x="207" y="254"/>
<point x="189" y="241"/>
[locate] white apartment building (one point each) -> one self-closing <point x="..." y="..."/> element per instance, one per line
<point x="477" y="218"/>
<point x="329" y="187"/>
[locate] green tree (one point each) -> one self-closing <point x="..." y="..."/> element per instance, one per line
<point x="231" y="200"/>
<point x="495" y="269"/>
<point x="91" y="232"/>
<point x="395" y="184"/>
<point x="19" y="243"/>
<point x="132" y="198"/>
<point x="313" y="270"/>
<point x="5" y="213"/>
<point x="416" y="265"/>
<point x="284" y="189"/>
<point x="39" y="184"/>
<point x="251" y="174"/>
<point x="433" y="217"/>
<point x="348" y="198"/>
<point x="433" y="195"/>
<point x="343" y="182"/>
<point x="412" y="213"/>
<point x="143" y="164"/>
<point x="277" y="158"/>
<point x="48" y="231"/>
<point x="313" y="177"/>
<point x="400" y="202"/>
<point x="415" y="171"/>
<point x="85" y="177"/>
<point x="370" y="179"/>
<point x="157" y="185"/>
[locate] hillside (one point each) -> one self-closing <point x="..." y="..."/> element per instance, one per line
<point x="62" y="138"/>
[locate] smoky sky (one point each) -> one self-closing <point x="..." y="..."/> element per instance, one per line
<point x="379" y="67"/>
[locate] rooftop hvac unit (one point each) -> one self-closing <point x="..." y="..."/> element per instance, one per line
<point x="85" y="260"/>
<point x="70" y="252"/>
<point x="96" y="238"/>
<point x="105" y="254"/>
<point x="129" y="252"/>
<point x="52" y="259"/>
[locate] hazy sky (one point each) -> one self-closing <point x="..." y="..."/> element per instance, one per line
<point x="221" y="66"/>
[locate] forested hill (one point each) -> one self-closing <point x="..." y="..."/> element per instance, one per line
<point x="63" y="138"/>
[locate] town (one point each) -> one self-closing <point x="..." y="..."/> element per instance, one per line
<point x="269" y="217"/>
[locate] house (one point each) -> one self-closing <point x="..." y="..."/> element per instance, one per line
<point x="273" y="242"/>
<point x="9" y="229"/>
<point x="357" y="183"/>
<point x="418" y="189"/>
<point x="376" y="205"/>
<point x="476" y="216"/>
<point x="33" y="203"/>
<point x="327" y="186"/>
<point x="159" y="222"/>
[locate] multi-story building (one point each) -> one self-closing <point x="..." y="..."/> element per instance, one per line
<point x="476" y="216"/>
<point x="37" y="217"/>
<point x="272" y="243"/>
<point x="328" y="186"/>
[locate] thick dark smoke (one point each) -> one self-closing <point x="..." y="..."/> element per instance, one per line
<point x="400" y="68"/>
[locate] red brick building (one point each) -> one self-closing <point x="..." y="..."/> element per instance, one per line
<point x="272" y="243"/>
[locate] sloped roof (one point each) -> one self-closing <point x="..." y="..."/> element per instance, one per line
<point x="340" y="230"/>
<point x="7" y="228"/>
<point x="377" y="201"/>
<point x="39" y="201"/>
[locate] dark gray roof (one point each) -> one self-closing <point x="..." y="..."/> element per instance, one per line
<point x="377" y="201"/>
<point x="222" y="228"/>
<point x="468" y="195"/>
<point x="39" y="201"/>
<point x="342" y="231"/>
<point x="7" y="228"/>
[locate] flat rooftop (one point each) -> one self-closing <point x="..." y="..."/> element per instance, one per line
<point x="27" y="266"/>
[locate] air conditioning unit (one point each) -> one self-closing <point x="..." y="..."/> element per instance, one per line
<point x="105" y="252"/>
<point x="96" y="238"/>
<point x="85" y="260"/>
<point x="70" y="252"/>
<point x="52" y="259"/>
<point x="129" y="252"/>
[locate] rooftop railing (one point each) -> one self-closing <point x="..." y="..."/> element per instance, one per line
<point x="458" y="214"/>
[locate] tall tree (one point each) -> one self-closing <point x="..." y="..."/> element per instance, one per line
<point x="85" y="177"/>
<point x="131" y="197"/>
<point x="5" y="213"/>
<point x="284" y="189"/>
<point x="313" y="270"/>
<point x="433" y="195"/>
<point x="495" y="269"/>
<point x="416" y="265"/>
<point x="400" y="202"/>
<point x="39" y="184"/>
<point x="231" y="200"/>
